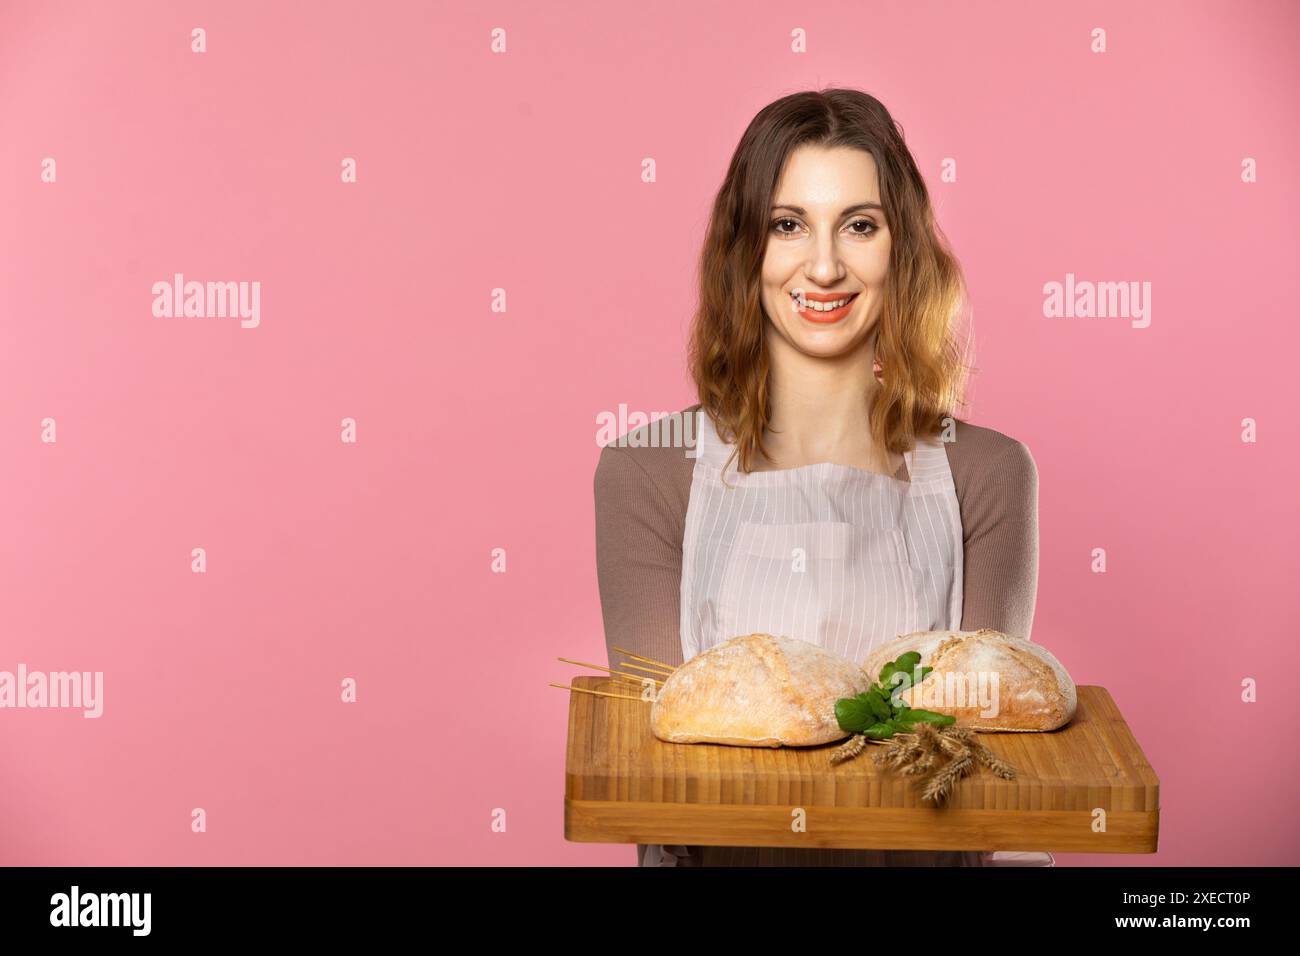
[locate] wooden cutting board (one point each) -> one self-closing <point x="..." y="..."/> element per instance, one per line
<point x="623" y="785"/>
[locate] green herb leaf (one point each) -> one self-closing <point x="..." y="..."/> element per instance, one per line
<point x="879" y="704"/>
<point x="898" y="682"/>
<point x="908" y="661"/>
<point x="877" y="712"/>
<point x="854" y="714"/>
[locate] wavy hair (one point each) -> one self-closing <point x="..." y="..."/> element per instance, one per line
<point x="923" y="370"/>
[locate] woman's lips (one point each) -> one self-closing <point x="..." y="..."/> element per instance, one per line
<point x="825" y="318"/>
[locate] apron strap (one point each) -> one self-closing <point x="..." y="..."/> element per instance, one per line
<point x="928" y="461"/>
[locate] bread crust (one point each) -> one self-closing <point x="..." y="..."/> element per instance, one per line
<point x="757" y="690"/>
<point x="1033" y="691"/>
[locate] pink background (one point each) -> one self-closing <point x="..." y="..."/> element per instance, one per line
<point x="477" y="429"/>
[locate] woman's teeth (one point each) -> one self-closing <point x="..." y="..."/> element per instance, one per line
<point x="812" y="306"/>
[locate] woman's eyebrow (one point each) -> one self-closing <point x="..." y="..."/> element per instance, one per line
<point x="860" y="207"/>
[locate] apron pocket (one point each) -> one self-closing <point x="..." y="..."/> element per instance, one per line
<point x="842" y="586"/>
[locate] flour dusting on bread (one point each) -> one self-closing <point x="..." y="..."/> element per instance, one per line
<point x="1030" y="689"/>
<point x="758" y="690"/>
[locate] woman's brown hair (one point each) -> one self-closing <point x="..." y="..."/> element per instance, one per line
<point x="916" y="345"/>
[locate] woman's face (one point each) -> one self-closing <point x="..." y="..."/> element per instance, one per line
<point x="827" y="241"/>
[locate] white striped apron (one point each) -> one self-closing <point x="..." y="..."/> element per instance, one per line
<point x="838" y="556"/>
<point x="841" y="557"/>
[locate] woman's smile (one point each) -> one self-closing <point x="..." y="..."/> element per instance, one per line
<point x="823" y="308"/>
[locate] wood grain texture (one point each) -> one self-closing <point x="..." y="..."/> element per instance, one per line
<point x="622" y="785"/>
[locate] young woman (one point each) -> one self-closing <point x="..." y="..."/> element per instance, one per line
<point x="827" y="364"/>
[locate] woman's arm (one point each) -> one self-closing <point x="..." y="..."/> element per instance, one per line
<point x="638" y="558"/>
<point x="638" y="561"/>
<point x="999" y="511"/>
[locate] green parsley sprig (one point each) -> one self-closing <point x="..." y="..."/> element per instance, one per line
<point x="877" y="713"/>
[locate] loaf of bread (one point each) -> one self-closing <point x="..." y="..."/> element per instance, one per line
<point x="988" y="680"/>
<point x="756" y="691"/>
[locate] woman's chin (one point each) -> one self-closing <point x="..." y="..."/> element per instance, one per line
<point x="827" y="343"/>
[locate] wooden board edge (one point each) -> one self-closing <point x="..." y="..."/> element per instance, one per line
<point x="1053" y="831"/>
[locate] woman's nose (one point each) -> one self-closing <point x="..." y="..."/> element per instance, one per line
<point x="824" y="265"/>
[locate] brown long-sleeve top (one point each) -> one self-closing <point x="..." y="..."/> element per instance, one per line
<point x="641" y="496"/>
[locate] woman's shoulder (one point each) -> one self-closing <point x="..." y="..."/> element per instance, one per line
<point x="659" y="454"/>
<point x="981" y="457"/>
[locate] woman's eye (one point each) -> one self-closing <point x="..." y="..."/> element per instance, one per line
<point x="859" y="227"/>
